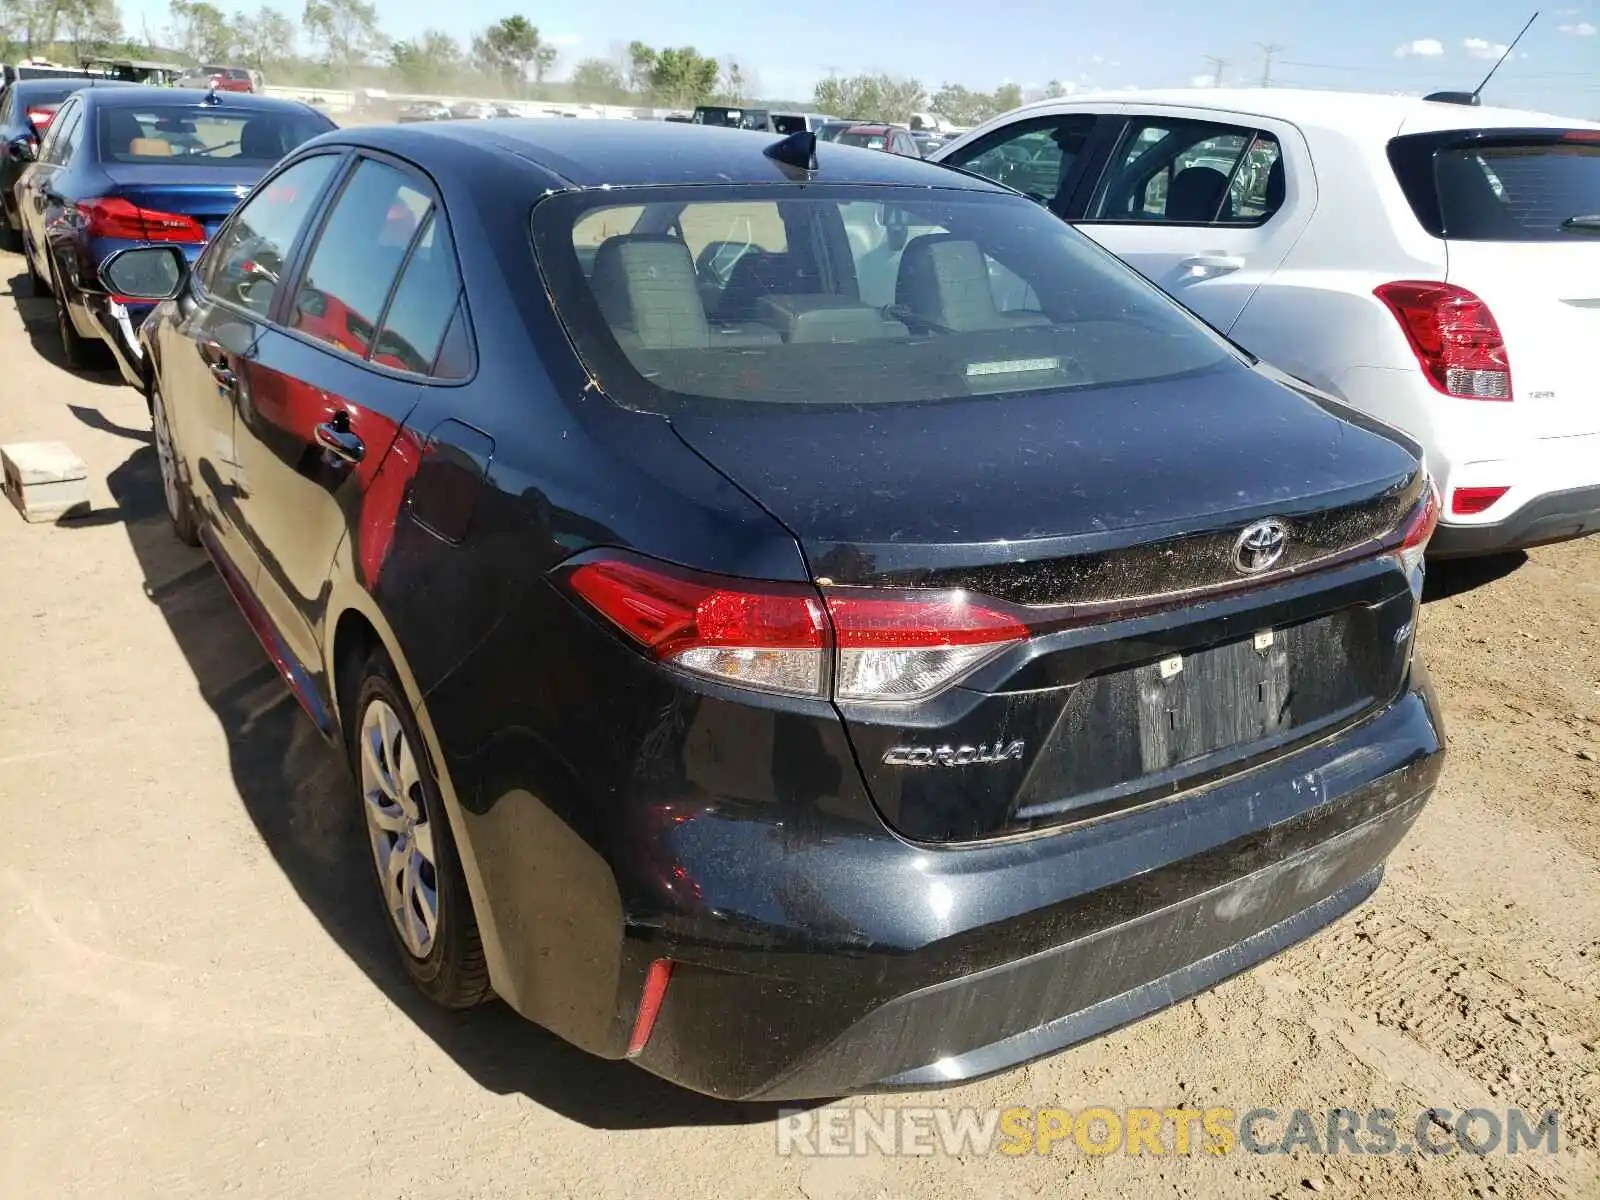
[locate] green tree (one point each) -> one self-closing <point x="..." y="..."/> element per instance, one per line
<point x="265" y="38"/>
<point x="596" y="81"/>
<point x="1053" y="90"/>
<point x="641" y="65"/>
<point x="202" y="31"/>
<point x="91" y="25"/>
<point x="509" y="48"/>
<point x="1006" y="97"/>
<point x="347" y="31"/>
<point x="427" y="61"/>
<point x="870" y="98"/>
<point x="682" y="77"/>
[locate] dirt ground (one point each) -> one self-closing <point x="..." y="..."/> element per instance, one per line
<point x="197" y="998"/>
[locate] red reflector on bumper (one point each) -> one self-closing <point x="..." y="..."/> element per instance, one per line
<point x="655" y="991"/>
<point x="1471" y="500"/>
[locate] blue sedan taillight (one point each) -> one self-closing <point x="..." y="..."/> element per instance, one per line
<point x="114" y="217"/>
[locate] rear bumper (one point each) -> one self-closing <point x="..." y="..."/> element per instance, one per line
<point x="1556" y="517"/>
<point x="1104" y="924"/>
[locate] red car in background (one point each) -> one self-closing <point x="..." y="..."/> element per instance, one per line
<point x="220" y="79"/>
<point x="892" y="139"/>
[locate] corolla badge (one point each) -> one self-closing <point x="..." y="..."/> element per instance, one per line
<point x="952" y="756"/>
<point x="1260" y="546"/>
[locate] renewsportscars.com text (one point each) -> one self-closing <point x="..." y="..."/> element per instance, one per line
<point x="1100" y="1130"/>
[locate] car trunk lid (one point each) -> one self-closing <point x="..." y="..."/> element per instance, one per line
<point x="164" y="189"/>
<point x="1108" y="521"/>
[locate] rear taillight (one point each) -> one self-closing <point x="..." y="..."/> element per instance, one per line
<point x="1424" y="519"/>
<point x="771" y="636"/>
<point x="40" y="118"/>
<point x="782" y="637"/>
<point x="1454" y="336"/>
<point x="1469" y="501"/>
<point x="114" y="217"/>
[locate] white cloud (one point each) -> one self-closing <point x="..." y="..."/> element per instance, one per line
<point x="1478" y="48"/>
<point x="1580" y="29"/>
<point x="1096" y="59"/>
<point x="1204" y="81"/>
<point x="564" y="39"/>
<point x="1421" y="48"/>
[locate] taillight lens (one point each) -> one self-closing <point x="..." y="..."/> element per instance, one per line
<point x="771" y="636"/>
<point x="1454" y="336"/>
<point x="908" y="645"/>
<point x="115" y="217"/>
<point x="650" y="1000"/>
<point x="1423" y="521"/>
<point x="40" y="118"/>
<point x="781" y="637"/>
<point x="1469" y="501"/>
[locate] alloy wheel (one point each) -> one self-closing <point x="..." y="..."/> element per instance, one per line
<point x="399" y="828"/>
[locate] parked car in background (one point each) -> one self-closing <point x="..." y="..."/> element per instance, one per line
<point x="231" y="79"/>
<point x="830" y="130"/>
<point x="473" y="110"/>
<point x="424" y="110"/>
<point x="26" y="109"/>
<point x="926" y="141"/>
<point x="851" y="698"/>
<point x="126" y="164"/>
<point x="134" y="70"/>
<point x="893" y="139"/>
<point x="37" y="69"/>
<point x="731" y="116"/>
<point x="787" y="123"/>
<point x="1433" y="264"/>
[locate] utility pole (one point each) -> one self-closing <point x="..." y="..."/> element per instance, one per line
<point x="1219" y="64"/>
<point x="1270" y="51"/>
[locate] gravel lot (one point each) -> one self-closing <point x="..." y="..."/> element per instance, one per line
<point x="196" y="996"/>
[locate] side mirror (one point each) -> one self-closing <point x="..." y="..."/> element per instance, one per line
<point x="145" y="272"/>
<point x="24" y="149"/>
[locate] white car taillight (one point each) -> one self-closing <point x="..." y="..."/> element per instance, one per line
<point x="781" y="637"/>
<point x="1454" y="336"/>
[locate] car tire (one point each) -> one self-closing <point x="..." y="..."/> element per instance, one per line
<point x="74" y="346"/>
<point x="180" y="506"/>
<point x="411" y="847"/>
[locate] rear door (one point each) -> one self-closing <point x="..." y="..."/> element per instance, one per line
<point x="1205" y="208"/>
<point x="1520" y="215"/>
<point x="334" y="375"/>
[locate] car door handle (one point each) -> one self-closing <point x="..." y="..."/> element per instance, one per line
<point x="215" y="356"/>
<point x="334" y="436"/>
<point x="1211" y="263"/>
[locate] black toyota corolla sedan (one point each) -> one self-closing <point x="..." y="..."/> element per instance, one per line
<point x="806" y="625"/>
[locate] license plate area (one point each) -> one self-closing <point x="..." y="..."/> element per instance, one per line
<point x="1135" y="734"/>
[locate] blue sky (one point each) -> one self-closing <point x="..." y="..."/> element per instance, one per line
<point x="1419" y="45"/>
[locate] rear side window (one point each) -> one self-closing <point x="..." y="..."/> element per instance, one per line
<point x="358" y="256"/>
<point x="851" y="296"/>
<point x="423" y="304"/>
<point x="197" y="136"/>
<point x="1541" y="187"/>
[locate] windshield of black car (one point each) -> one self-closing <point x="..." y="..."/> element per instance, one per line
<point x="1535" y="191"/>
<point x="195" y="135"/>
<point x="850" y="295"/>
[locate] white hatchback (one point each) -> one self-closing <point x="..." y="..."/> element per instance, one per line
<point x="1434" y="264"/>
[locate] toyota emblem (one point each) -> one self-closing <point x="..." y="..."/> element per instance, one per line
<point x="1260" y="546"/>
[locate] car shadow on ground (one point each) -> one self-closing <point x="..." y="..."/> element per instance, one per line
<point x="38" y="314"/>
<point x="1448" y="577"/>
<point x="298" y="792"/>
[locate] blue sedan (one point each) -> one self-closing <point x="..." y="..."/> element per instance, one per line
<point x="122" y="166"/>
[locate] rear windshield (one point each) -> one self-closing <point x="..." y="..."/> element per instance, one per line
<point x="836" y="295"/>
<point x="1538" y="188"/>
<point x="197" y="135"/>
<point x="872" y="141"/>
